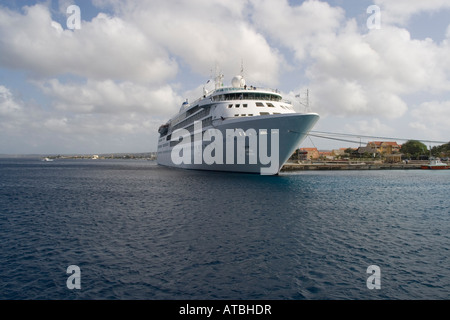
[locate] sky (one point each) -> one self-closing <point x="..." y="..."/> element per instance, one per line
<point x="104" y="78"/>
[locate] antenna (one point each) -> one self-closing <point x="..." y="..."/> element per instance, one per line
<point x="306" y="105"/>
<point x="307" y="100"/>
<point x="218" y="78"/>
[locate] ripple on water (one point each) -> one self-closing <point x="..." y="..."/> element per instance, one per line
<point x="140" y="231"/>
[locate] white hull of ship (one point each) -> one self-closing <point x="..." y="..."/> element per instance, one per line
<point x="292" y="129"/>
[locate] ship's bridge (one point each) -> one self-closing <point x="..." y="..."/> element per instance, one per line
<point x="226" y="94"/>
<point x="239" y="90"/>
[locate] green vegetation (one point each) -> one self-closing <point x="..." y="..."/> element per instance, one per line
<point x="416" y="150"/>
<point x="442" y="151"/>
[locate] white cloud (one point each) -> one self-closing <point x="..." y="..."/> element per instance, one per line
<point x="351" y="73"/>
<point x="106" y="47"/>
<point x="432" y="118"/>
<point x="400" y="11"/>
<point x="341" y="97"/>
<point x="8" y="107"/>
<point x="411" y="65"/>
<point x="27" y="128"/>
<point x="111" y="97"/>
<point x="202" y="33"/>
<point x="373" y="127"/>
<point x="15" y="114"/>
<point x="18" y="121"/>
<point x="297" y="27"/>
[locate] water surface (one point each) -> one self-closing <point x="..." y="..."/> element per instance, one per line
<point x="141" y="231"/>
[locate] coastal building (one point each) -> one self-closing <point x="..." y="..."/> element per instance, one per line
<point x="308" y="154"/>
<point x="390" y="151"/>
<point x="338" y="152"/>
<point x="326" y="155"/>
<point x="370" y="149"/>
<point x="384" y="147"/>
<point x="393" y="158"/>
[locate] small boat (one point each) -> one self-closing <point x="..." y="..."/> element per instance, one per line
<point x="47" y="159"/>
<point x="435" y="165"/>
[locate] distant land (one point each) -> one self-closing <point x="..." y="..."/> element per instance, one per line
<point x="143" y="155"/>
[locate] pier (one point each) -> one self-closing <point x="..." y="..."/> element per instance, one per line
<point x="292" y="166"/>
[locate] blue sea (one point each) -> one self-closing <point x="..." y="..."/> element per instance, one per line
<point x="139" y="231"/>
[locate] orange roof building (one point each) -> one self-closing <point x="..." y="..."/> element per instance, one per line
<point x="385" y="147"/>
<point x="309" y="153"/>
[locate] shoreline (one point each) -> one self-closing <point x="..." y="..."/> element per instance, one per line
<point x="349" y="166"/>
<point x="287" y="167"/>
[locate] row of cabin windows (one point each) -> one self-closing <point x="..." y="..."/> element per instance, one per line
<point x="237" y="106"/>
<point x="251" y="114"/>
<point x="258" y="104"/>
<point x="205" y="123"/>
<point x="193" y="118"/>
<point x="190" y="112"/>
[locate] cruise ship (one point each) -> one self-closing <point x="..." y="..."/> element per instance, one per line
<point x="237" y="128"/>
